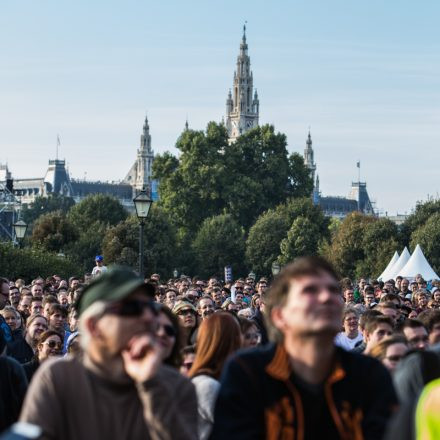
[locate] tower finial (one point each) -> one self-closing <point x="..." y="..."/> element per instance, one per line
<point x="244" y="31"/>
<point x="186" y="124"/>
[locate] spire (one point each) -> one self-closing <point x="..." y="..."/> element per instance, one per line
<point x="244" y="33"/>
<point x="145" y="137"/>
<point x="309" y="140"/>
<point x="186" y="124"/>
<point x="146" y="126"/>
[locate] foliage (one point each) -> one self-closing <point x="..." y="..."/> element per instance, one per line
<point x="53" y="231"/>
<point x="302" y="239"/>
<point x="428" y="236"/>
<point x="121" y="243"/>
<point x="97" y="208"/>
<point x="421" y="214"/>
<point x="28" y="263"/>
<point x="263" y="242"/>
<point x="362" y="245"/>
<point x="212" y="177"/>
<point x="44" y="205"/>
<point x="219" y="243"/>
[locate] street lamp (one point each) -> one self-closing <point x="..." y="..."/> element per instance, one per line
<point x="175" y="273"/>
<point x="275" y="268"/>
<point x="142" y="204"/>
<point x="20" y="228"/>
<point x="252" y="275"/>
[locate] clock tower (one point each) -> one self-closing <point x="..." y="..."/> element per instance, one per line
<point x="242" y="105"/>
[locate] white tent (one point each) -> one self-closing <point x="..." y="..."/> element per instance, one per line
<point x="393" y="260"/>
<point x="399" y="264"/>
<point x="418" y="264"/>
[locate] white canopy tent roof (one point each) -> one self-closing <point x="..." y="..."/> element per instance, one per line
<point x="393" y="260"/>
<point x="399" y="264"/>
<point x="418" y="264"/>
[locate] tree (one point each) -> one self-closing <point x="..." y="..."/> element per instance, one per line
<point x="428" y="236"/>
<point x="219" y="243"/>
<point x="380" y="241"/>
<point x="422" y="212"/>
<point x="97" y="208"/>
<point x="346" y="249"/>
<point x="263" y="242"/>
<point x="53" y="232"/>
<point x="121" y="243"/>
<point x="244" y="178"/>
<point x="44" y="205"/>
<point x="28" y="263"/>
<point x="265" y="236"/>
<point x="302" y="240"/>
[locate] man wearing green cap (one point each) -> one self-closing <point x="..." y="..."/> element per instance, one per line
<point x="119" y="389"/>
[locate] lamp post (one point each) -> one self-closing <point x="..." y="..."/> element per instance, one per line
<point x="175" y="273"/>
<point x="275" y="268"/>
<point x="20" y="228"/>
<point x="142" y="204"/>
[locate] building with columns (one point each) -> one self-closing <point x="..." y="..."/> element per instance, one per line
<point x="242" y="105"/>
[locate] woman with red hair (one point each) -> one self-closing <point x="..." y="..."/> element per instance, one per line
<point x="219" y="336"/>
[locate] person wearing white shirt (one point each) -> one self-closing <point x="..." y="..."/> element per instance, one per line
<point x="351" y="336"/>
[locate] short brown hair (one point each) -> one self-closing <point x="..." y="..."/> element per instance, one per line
<point x="373" y="323"/>
<point x="379" y="351"/>
<point x="280" y="287"/>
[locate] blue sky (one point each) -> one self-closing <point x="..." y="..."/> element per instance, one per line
<point x="364" y="75"/>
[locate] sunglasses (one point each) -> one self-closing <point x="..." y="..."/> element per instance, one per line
<point x="168" y="329"/>
<point x="53" y="344"/>
<point x="186" y="312"/>
<point x="131" y="308"/>
<point x="187" y="365"/>
<point x="395" y="358"/>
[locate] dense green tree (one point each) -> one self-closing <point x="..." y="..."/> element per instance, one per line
<point x="97" y="208"/>
<point x="428" y="236"/>
<point x="380" y="241"/>
<point x="346" y="249"/>
<point x="53" y="232"/>
<point x="44" y="205"/>
<point x="302" y="240"/>
<point x="121" y="243"/>
<point x="263" y="242"/>
<point x="244" y="178"/>
<point x="219" y="242"/>
<point x="28" y="263"/>
<point x="422" y="212"/>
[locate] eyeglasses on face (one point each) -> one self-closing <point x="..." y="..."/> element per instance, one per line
<point x="185" y="312"/>
<point x="53" y="344"/>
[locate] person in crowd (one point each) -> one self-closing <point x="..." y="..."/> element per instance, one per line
<point x="348" y="294"/>
<point x="47" y="302"/>
<point x="49" y="345"/>
<point x="259" y="318"/>
<point x="12" y="318"/>
<point x="36" y="306"/>
<point x="416" y="334"/>
<point x="376" y="329"/>
<point x="187" y="315"/>
<point x="303" y="384"/>
<point x="250" y="334"/>
<point x="37" y="290"/>
<point x="188" y="355"/>
<point x="369" y="298"/>
<point x="14" y="296"/>
<point x="205" y="307"/>
<point x="389" y="309"/>
<point x="24" y="306"/>
<point x="57" y="318"/>
<point x="119" y="388"/>
<point x="73" y="319"/>
<point x="431" y="320"/>
<point x="22" y="348"/>
<point x="218" y="337"/>
<point x="216" y="295"/>
<point x="390" y="351"/>
<point x="351" y="336"/>
<point x="404" y="288"/>
<point x="99" y="268"/>
<point x="168" y="335"/>
<point x="170" y="298"/>
<point x="229" y="306"/>
<point x="13" y="386"/>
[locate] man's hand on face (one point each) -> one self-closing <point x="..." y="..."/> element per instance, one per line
<point x="142" y="358"/>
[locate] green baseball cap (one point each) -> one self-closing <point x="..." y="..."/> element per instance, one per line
<point x="115" y="284"/>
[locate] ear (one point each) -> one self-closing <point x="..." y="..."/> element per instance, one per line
<point x="277" y="318"/>
<point x="92" y="327"/>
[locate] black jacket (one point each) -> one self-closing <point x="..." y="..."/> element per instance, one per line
<point x="13" y="386"/>
<point x="20" y="350"/>
<point x="31" y="367"/>
<point x="260" y="397"/>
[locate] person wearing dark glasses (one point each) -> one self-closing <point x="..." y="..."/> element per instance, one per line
<point x="119" y="388"/>
<point x="168" y="336"/>
<point x="49" y="345"/>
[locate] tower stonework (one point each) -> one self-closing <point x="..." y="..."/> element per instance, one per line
<point x="309" y="162"/>
<point x="140" y="174"/>
<point x="242" y="104"/>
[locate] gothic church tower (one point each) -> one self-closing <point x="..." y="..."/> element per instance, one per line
<point x="242" y="106"/>
<point x="139" y="176"/>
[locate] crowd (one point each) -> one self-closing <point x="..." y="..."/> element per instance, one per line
<point x="304" y="356"/>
